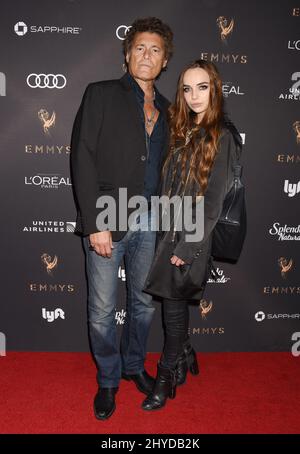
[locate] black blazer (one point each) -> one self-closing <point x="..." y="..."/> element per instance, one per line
<point x="108" y="148"/>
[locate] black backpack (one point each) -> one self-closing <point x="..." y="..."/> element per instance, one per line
<point x="230" y="231"/>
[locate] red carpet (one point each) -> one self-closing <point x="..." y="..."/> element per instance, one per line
<point x="235" y="393"/>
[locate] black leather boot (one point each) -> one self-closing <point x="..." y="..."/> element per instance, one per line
<point x="104" y="402"/>
<point x="143" y="381"/>
<point x="186" y="361"/>
<point x="165" y="386"/>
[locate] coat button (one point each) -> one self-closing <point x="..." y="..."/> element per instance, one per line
<point x="143" y="158"/>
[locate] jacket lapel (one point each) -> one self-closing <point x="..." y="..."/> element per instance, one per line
<point x="133" y="110"/>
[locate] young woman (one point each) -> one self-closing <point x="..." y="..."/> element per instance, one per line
<point x="200" y="162"/>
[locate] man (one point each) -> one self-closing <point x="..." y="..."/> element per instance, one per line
<point x="119" y="140"/>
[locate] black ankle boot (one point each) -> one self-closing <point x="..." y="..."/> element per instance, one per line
<point x="165" y="386"/>
<point x="186" y="361"/>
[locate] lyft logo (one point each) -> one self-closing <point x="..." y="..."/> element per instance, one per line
<point x="50" y="316"/>
<point x="291" y="189"/>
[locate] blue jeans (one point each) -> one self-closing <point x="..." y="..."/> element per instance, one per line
<point x="137" y="249"/>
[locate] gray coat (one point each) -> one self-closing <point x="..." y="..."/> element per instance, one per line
<point x="187" y="281"/>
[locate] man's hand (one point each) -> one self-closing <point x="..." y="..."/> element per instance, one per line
<point x="101" y="242"/>
<point x="177" y="261"/>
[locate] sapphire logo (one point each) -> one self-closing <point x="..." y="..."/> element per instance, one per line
<point x="20" y="28"/>
<point x="260" y="316"/>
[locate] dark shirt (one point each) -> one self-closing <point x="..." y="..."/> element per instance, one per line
<point x="154" y="143"/>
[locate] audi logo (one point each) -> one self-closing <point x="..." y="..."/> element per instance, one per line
<point x="122" y="31"/>
<point x="46" y="81"/>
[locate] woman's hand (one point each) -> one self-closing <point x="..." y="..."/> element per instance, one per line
<point x="177" y="261"/>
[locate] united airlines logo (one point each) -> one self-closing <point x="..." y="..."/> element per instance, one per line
<point x="50" y="226"/>
<point x="293" y="93"/>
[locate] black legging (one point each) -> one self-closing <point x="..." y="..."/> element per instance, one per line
<point x="176" y="320"/>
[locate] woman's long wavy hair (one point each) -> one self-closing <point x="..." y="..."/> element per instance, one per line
<point x="200" y="153"/>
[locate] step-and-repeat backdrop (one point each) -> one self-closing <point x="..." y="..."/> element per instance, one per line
<point x="49" y="53"/>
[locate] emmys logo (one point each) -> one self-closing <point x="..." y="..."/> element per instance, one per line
<point x="296" y="127"/>
<point x="47" y="121"/>
<point x="284" y="266"/>
<point x="2" y="84"/>
<point x="225" y="29"/>
<point x="205" y="308"/>
<point x="2" y="344"/>
<point x="49" y="263"/>
<point x="50" y="316"/>
<point x="291" y="189"/>
<point x="120" y="317"/>
<point x="49" y="150"/>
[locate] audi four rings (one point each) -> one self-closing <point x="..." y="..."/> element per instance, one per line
<point x="121" y="31"/>
<point x="46" y="81"/>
